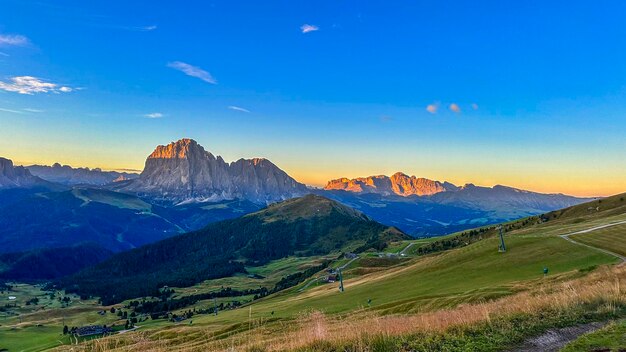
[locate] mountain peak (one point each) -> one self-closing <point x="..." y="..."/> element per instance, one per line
<point x="308" y="206"/>
<point x="181" y="149"/>
<point x="183" y="171"/>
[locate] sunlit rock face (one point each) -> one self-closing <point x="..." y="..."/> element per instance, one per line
<point x="16" y="176"/>
<point x="184" y="171"/>
<point x="399" y="184"/>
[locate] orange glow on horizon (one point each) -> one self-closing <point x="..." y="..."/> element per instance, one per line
<point x="580" y="186"/>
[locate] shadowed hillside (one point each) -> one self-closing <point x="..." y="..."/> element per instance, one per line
<point x="307" y="226"/>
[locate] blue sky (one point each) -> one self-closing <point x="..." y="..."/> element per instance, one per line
<point x="529" y="94"/>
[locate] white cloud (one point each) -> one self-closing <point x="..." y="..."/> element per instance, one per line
<point x="237" y="108"/>
<point x="432" y="108"/>
<point x="31" y="85"/>
<point x="192" y="71"/>
<point x="306" y="28"/>
<point x="154" y="115"/>
<point x="454" y="107"/>
<point x="474" y="106"/>
<point x="32" y="110"/>
<point x="11" y="111"/>
<point x="13" y="39"/>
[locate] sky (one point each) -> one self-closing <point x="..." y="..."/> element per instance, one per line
<point x="530" y="94"/>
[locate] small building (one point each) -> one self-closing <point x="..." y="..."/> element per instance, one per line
<point x="91" y="330"/>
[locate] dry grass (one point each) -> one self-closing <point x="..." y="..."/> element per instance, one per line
<point x="607" y="284"/>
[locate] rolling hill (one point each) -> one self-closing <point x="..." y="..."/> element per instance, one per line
<point x="306" y="226"/>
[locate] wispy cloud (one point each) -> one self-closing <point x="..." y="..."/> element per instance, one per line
<point x="154" y="115"/>
<point x="31" y="85"/>
<point x="307" y="28"/>
<point x="13" y="39"/>
<point x="386" y="118"/>
<point x="147" y="28"/>
<point x="12" y="111"/>
<point x="131" y="28"/>
<point x="33" y="110"/>
<point x="192" y="71"/>
<point x="474" y="106"/>
<point x="454" y="107"/>
<point x="3" y="54"/>
<point x="237" y="108"/>
<point x="432" y="108"/>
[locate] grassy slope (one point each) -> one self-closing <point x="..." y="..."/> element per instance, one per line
<point x="462" y="275"/>
<point x="119" y="200"/>
<point x="272" y="273"/>
<point x="458" y="276"/>
<point x="611" y="238"/>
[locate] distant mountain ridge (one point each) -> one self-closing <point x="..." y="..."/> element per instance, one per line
<point x="501" y="197"/>
<point x="67" y="175"/>
<point x="183" y="171"/>
<point x="424" y="207"/>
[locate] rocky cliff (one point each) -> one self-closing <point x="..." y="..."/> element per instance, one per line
<point x="399" y="184"/>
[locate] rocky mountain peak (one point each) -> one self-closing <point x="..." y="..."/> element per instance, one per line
<point x="181" y="149"/>
<point x="183" y="171"/>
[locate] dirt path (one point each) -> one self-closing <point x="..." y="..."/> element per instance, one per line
<point x="566" y="237"/>
<point x="348" y="263"/>
<point x="127" y="330"/>
<point x="406" y="248"/>
<point x="555" y="339"/>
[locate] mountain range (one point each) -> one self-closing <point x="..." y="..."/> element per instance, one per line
<point x="424" y="207"/>
<point x="183" y="188"/>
